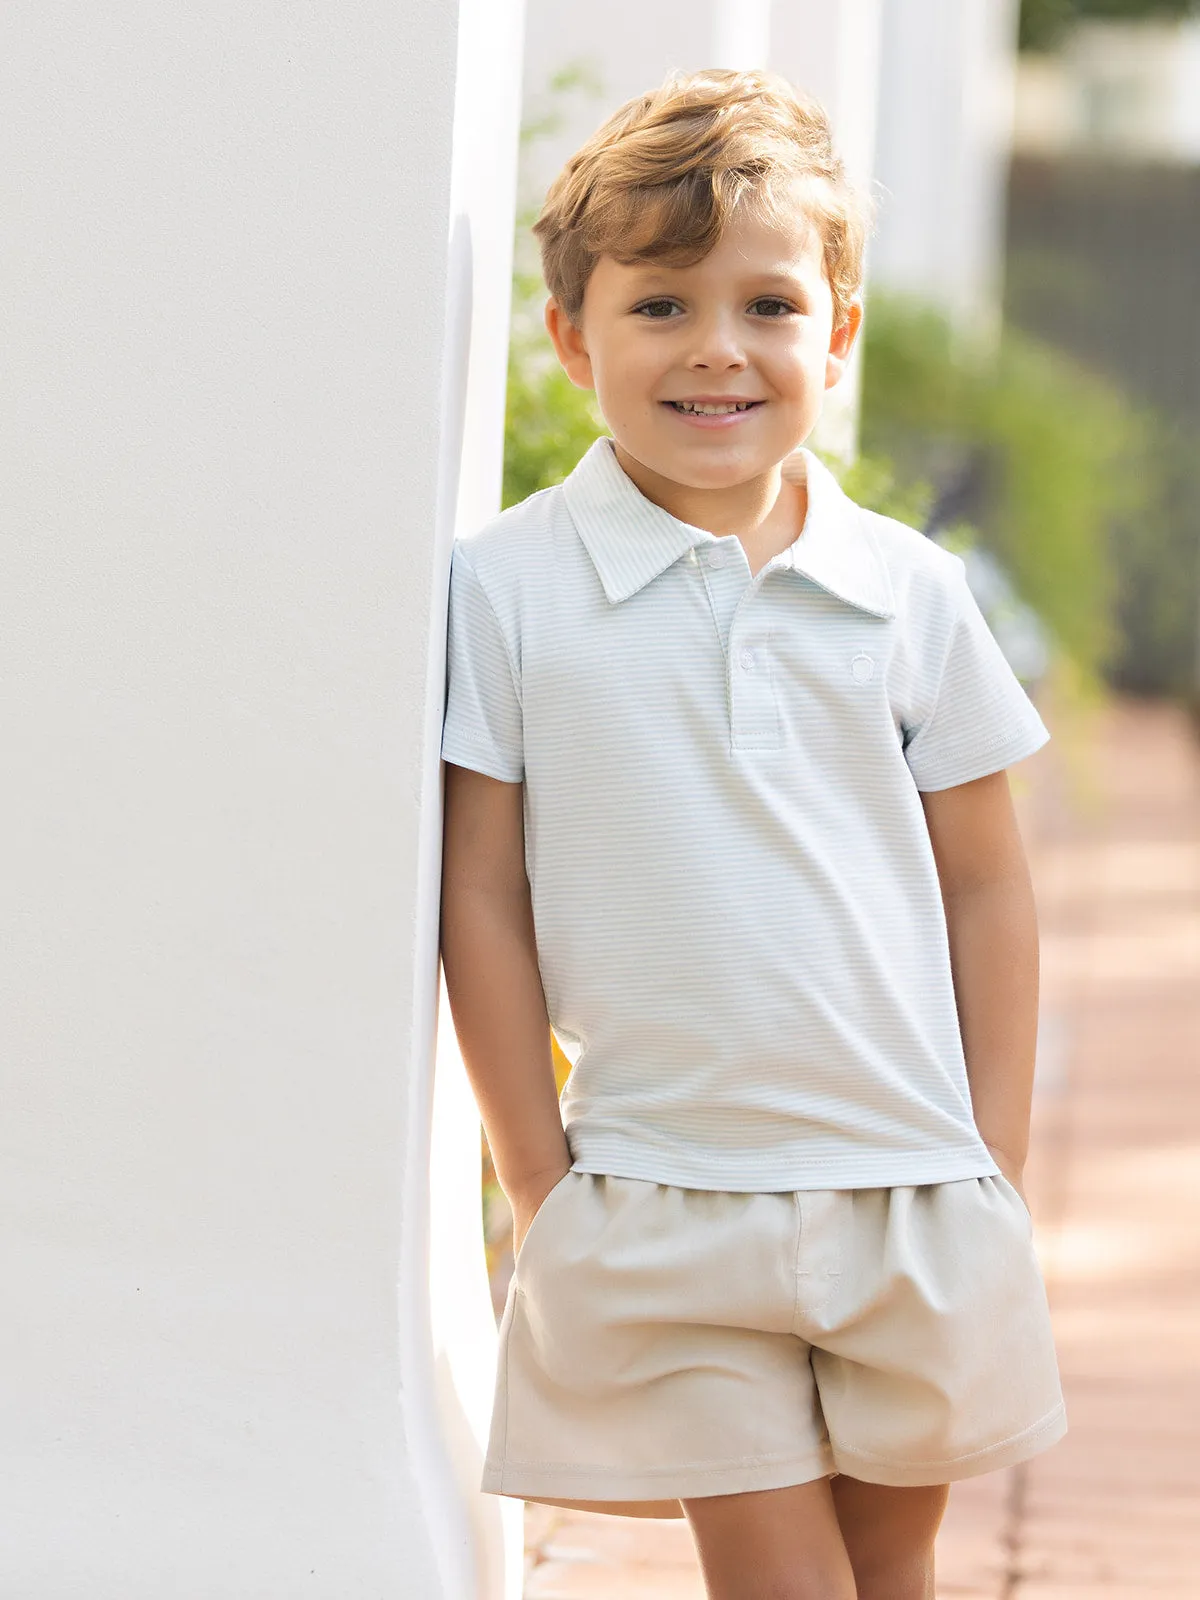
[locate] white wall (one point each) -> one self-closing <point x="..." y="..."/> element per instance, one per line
<point x="225" y="527"/>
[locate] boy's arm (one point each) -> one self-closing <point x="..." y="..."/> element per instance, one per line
<point x="489" y="956"/>
<point x="992" y="926"/>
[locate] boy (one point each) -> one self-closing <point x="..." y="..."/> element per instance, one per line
<point x="726" y="806"/>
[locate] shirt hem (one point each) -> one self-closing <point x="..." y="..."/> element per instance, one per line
<point x="792" y="1174"/>
<point x="983" y="763"/>
<point x="461" y="751"/>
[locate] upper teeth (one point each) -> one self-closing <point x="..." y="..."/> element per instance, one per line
<point x="712" y="411"/>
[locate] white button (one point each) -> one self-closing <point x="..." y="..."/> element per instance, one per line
<point x="714" y="558"/>
<point x="746" y="660"/>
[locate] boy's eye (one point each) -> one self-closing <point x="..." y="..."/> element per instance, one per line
<point x="656" y="310"/>
<point x="770" y="306"/>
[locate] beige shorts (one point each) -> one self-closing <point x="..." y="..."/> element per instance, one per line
<point x="662" y="1344"/>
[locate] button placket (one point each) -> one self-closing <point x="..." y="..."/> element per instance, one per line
<point x="755" y="723"/>
<point x="722" y="584"/>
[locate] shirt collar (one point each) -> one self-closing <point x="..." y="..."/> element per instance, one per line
<point x="632" y="541"/>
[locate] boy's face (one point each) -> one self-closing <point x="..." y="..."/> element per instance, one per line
<point x="751" y="324"/>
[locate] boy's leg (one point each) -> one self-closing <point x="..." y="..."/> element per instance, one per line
<point x="775" y="1544"/>
<point x="889" y="1534"/>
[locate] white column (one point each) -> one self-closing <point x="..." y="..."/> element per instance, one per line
<point x="638" y="44"/>
<point x="236" y="378"/>
<point x="741" y="33"/>
<point x="945" y="121"/>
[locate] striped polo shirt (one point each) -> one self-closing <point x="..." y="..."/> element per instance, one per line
<point x="739" y="924"/>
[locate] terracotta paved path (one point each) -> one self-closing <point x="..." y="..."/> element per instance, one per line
<point x="1113" y="821"/>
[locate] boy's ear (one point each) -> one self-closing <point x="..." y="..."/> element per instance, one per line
<point x="842" y="343"/>
<point x="569" y="347"/>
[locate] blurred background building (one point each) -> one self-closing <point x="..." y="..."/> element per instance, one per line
<point x="1103" y="261"/>
<point x="1125" y="89"/>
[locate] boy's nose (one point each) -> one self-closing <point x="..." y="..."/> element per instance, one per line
<point x="717" y="346"/>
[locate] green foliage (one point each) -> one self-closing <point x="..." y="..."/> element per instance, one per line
<point x="871" y="481"/>
<point x="1067" y="453"/>
<point x="548" y="422"/>
<point x="1067" y="470"/>
<point x="1044" y="23"/>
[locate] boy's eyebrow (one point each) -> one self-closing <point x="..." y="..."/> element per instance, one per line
<point x="650" y="271"/>
<point x="780" y="276"/>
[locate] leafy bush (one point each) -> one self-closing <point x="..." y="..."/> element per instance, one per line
<point x="548" y="422"/>
<point x="1055" y="467"/>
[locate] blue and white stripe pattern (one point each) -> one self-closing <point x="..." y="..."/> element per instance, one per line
<point x="739" y="924"/>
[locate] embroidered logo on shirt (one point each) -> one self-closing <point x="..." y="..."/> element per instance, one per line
<point x="862" y="668"/>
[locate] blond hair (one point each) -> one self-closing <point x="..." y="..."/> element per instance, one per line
<point x="664" y="175"/>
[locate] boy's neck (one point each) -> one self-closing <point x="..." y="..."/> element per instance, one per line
<point x="766" y="513"/>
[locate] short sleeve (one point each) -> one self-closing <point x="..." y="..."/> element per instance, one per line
<point x="981" y="719"/>
<point x="483" y="726"/>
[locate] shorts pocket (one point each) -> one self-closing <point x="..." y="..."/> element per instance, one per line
<point x="535" y="1226"/>
<point x="1012" y="1195"/>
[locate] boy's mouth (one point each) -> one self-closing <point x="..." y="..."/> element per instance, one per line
<point x="710" y="408"/>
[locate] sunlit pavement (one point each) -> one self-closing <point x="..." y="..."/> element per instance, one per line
<point x="1112" y="816"/>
